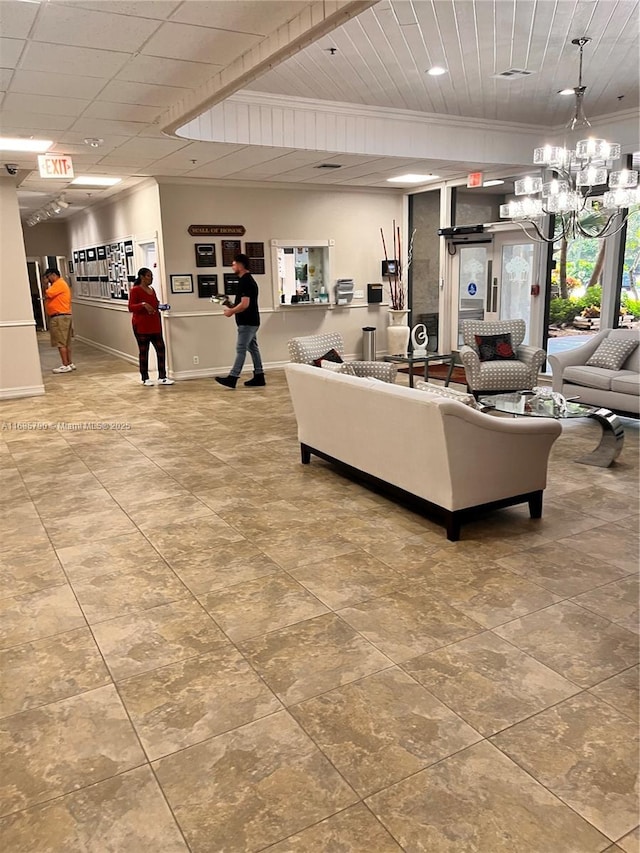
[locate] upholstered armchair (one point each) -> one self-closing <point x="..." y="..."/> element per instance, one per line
<point x="501" y="375"/>
<point x="306" y="350"/>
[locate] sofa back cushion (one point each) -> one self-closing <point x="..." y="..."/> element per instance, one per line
<point x="306" y="349"/>
<point x="633" y="360"/>
<point x="449" y="393"/>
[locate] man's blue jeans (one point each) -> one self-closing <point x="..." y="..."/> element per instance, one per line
<point x="247" y="341"/>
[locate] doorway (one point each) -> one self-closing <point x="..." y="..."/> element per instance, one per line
<point x="492" y="277"/>
<point x="34" y="271"/>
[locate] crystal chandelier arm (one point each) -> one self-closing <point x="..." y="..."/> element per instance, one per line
<point x="604" y="231"/>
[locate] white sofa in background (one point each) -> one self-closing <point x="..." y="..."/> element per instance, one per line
<point x="618" y="390"/>
<point x="454" y="460"/>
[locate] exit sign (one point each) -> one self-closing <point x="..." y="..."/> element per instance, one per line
<point x="474" y="179"/>
<point x="55" y="166"/>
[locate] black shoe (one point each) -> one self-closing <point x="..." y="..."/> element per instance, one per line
<point x="258" y="380"/>
<point x="227" y="381"/>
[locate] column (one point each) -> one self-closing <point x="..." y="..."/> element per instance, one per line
<point x="20" y="372"/>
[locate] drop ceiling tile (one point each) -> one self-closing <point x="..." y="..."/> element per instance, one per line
<point x="124" y="162"/>
<point x="16" y="18"/>
<point x="181" y="41"/>
<point x="109" y="141"/>
<point x="122" y="112"/>
<point x="10" y="50"/>
<point x="121" y="92"/>
<point x="44" y="104"/>
<point x="18" y="120"/>
<point x="201" y="152"/>
<point x="98" y="127"/>
<point x="70" y="25"/>
<point x="167" y="72"/>
<point x="158" y="9"/>
<point x="260" y="17"/>
<point x="5" y="77"/>
<point x="77" y="61"/>
<point x="48" y="83"/>
<point x="153" y="149"/>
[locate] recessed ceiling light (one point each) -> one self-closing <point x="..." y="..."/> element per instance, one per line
<point x="567" y="92"/>
<point x="436" y="71"/>
<point x="413" y="179"/>
<point x="492" y="183"/>
<point x="95" y="181"/>
<point x="38" y="146"/>
<point x="93" y="141"/>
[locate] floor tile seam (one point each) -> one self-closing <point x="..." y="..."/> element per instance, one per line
<point x="458" y="713"/>
<point x="71" y="791"/>
<point x="553" y="793"/>
<point x="595" y="612"/>
<point x="274" y="844"/>
<point x="402" y="585"/>
<point x="548" y="665"/>
<point x="34" y="591"/>
<point x="397" y="663"/>
<point x="186" y="596"/>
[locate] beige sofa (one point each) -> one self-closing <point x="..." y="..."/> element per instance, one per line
<point x="449" y="458"/>
<point x="618" y="390"/>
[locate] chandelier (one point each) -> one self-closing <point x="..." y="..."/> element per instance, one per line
<point x="573" y="184"/>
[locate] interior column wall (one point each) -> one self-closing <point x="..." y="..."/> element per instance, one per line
<point x="20" y="372"/>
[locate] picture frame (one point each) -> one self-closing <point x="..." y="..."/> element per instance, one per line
<point x="207" y="286"/>
<point x="181" y="283"/>
<point x="205" y="254"/>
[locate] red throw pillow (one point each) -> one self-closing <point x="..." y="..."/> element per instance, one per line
<point x="495" y="347"/>
<point x="332" y="355"/>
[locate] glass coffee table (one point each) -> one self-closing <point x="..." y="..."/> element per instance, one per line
<point x="526" y="404"/>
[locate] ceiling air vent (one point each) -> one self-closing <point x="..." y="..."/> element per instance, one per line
<point x="513" y="73"/>
<point x="328" y="166"/>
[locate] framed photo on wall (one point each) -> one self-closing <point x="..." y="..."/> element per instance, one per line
<point x="182" y="283"/>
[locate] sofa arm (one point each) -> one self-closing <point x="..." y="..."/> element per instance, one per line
<point x="535" y="358"/>
<point x="471" y="361"/>
<point x="383" y="370"/>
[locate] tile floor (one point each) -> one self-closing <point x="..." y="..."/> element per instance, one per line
<point x="207" y="647"/>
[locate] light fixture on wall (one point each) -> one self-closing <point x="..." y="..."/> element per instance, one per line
<point x="572" y="184"/>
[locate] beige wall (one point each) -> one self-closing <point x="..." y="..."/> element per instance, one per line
<point x="48" y="238"/>
<point x="20" y="373"/>
<point x="135" y="213"/>
<point x="351" y="218"/>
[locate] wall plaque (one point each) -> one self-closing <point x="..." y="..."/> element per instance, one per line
<point x="254" y="250"/>
<point x="256" y="266"/>
<point x="205" y="255"/>
<point x="217" y="230"/>
<point x="230" y="248"/>
<point x="207" y="286"/>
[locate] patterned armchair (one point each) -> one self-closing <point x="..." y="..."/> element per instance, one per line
<point x="305" y="350"/>
<point x="498" y="376"/>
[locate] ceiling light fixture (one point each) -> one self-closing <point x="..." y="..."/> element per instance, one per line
<point x="95" y="181"/>
<point x="413" y="179"/>
<point x="35" y="146"/>
<point x="93" y="141"/>
<point x="492" y="183"/>
<point x="567" y="92"/>
<point x="572" y="183"/>
<point x="436" y="71"/>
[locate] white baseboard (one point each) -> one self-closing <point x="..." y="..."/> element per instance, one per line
<point x="210" y="372"/>
<point x="132" y="359"/>
<point x="25" y="391"/>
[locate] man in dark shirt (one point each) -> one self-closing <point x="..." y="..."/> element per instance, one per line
<point x="245" y="310"/>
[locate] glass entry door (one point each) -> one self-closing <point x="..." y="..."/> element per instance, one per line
<point x="515" y="265"/>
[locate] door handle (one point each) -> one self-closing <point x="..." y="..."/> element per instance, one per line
<point x="489" y="272"/>
<point x="494" y="296"/>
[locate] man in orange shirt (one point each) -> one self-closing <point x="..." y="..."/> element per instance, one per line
<point x="58" y="304"/>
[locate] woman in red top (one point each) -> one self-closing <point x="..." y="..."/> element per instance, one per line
<point x="147" y="326"/>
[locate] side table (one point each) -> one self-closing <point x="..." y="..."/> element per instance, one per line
<point x="411" y="361"/>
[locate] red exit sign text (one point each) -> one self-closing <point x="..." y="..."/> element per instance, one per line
<point x="55" y="166"/>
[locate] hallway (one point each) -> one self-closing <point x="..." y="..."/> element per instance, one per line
<point x="205" y="647"/>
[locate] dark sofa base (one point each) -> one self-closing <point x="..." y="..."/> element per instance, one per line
<point x="450" y="519"/>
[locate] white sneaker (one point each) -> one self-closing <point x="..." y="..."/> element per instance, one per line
<point x="72" y="366"/>
<point x="147" y="383"/>
<point x="166" y="381"/>
<point x="64" y="368"/>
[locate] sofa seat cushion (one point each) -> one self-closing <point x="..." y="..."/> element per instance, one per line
<point x="626" y="382"/>
<point x="591" y="377"/>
